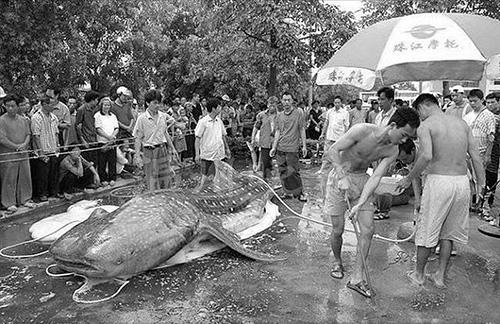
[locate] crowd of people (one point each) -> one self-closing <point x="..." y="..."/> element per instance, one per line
<point x="448" y="153"/>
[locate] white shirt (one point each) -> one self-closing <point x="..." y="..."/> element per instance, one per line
<point x="470" y="117"/>
<point x="210" y="132"/>
<point x="382" y="118"/>
<point x="338" y="123"/>
<point x="107" y="123"/>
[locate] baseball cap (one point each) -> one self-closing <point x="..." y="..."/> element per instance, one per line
<point x="123" y="91"/>
<point x="2" y="93"/>
<point x="226" y="98"/>
<point x="458" y="89"/>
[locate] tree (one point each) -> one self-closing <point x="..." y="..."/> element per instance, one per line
<point x="375" y="10"/>
<point x="253" y="47"/>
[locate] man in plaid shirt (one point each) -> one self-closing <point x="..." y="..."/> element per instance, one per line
<point x="482" y="123"/>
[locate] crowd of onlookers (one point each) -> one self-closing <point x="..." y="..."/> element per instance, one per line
<point x="55" y="145"/>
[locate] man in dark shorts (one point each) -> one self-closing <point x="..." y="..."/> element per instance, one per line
<point x="210" y="143"/>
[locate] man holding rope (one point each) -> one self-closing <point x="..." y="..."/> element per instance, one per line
<point x="348" y="183"/>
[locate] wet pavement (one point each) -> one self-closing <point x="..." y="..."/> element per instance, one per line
<point x="227" y="288"/>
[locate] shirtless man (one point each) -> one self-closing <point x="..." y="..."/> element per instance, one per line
<point x="444" y="141"/>
<point x="351" y="156"/>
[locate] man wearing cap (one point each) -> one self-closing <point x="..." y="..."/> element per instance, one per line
<point x="460" y="106"/>
<point x="122" y="108"/>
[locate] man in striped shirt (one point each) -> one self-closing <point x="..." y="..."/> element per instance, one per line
<point x="44" y="127"/>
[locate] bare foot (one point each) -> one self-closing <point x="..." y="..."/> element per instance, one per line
<point x="438" y="282"/>
<point x="414" y="278"/>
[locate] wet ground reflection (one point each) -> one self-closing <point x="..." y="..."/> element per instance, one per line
<point x="227" y="288"/>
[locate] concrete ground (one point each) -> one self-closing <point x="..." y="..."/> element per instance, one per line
<point x="227" y="288"/>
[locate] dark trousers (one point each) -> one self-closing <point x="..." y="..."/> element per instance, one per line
<point x="107" y="160"/>
<point x="491" y="179"/>
<point x="71" y="181"/>
<point x="92" y="155"/>
<point x="45" y="177"/>
<point x="189" y="152"/>
<point x="267" y="163"/>
<point x="288" y="165"/>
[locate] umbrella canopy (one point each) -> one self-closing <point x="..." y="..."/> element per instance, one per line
<point x="419" y="47"/>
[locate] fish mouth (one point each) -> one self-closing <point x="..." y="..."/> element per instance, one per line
<point x="76" y="266"/>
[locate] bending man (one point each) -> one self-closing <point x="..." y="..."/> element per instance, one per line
<point x="351" y="156"/>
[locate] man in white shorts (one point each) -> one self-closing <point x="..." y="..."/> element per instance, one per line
<point x="444" y="142"/>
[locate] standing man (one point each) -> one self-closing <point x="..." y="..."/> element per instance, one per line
<point x="72" y="137"/>
<point x="266" y="124"/>
<point x="351" y="156"/>
<point x="210" y="143"/>
<point x="374" y="110"/>
<point x="44" y="127"/>
<point x="15" y="174"/>
<point x="197" y="108"/>
<point x="493" y="105"/>
<point x="122" y="109"/>
<point x="460" y="106"/>
<point x="336" y="125"/>
<point x="290" y="131"/>
<point x="151" y="134"/>
<point x="358" y="114"/>
<point x="482" y="124"/>
<point x="61" y="111"/>
<point x="85" y="126"/>
<point x="444" y="142"/>
<point x="385" y="100"/>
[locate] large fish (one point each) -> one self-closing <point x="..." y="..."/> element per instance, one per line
<point x="164" y="227"/>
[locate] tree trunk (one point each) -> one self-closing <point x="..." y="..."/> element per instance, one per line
<point x="273" y="71"/>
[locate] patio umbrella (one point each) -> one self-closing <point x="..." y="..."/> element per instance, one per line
<point x="421" y="47"/>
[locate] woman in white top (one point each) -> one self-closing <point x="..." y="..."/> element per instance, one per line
<point x="106" y="125"/>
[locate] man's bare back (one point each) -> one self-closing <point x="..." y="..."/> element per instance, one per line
<point x="449" y="141"/>
<point x="365" y="148"/>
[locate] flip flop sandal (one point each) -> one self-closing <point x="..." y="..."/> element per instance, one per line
<point x="286" y="196"/>
<point x="337" y="271"/>
<point x="302" y="198"/>
<point x="361" y="288"/>
<point x="381" y="216"/>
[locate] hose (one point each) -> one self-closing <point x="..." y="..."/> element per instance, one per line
<point x="297" y="215"/>
<point x="26" y="256"/>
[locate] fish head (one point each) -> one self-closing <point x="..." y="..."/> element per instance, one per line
<point x="95" y="248"/>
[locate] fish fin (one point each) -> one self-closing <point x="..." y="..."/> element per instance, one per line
<point x="233" y="242"/>
<point x="98" y="212"/>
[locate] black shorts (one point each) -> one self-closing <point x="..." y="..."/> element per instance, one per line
<point x="208" y="167"/>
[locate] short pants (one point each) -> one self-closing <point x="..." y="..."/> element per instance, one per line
<point x="335" y="204"/>
<point x="444" y="210"/>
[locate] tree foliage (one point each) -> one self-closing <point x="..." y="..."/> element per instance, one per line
<point x="377" y="10"/>
<point x="240" y="48"/>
